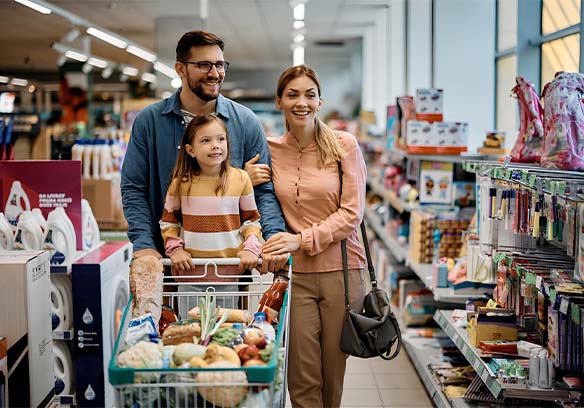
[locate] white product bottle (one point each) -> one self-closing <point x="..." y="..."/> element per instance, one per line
<point x="77" y="150"/>
<point x="105" y="161"/>
<point x="89" y="226"/>
<point x="29" y="235"/>
<point x="95" y="158"/>
<point x="38" y="216"/>
<point x="14" y="207"/>
<point x="59" y="238"/>
<point x="6" y="234"/>
<point x="87" y="154"/>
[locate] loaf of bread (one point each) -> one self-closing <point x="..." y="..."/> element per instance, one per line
<point x="146" y="276"/>
<point x="235" y="315"/>
<point x="181" y="333"/>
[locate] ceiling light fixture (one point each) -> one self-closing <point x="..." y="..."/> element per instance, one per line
<point x="3" y="79"/>
<point x="298" y="56"/>
<point x="108" y="38"/>
<point x="165" y="69"/>
<point x="107" y="72"/>
<point x="176" y="83"/>
<point x="299" y="38"/>
<point x="76" y="55"/>
<point x="19" y="82"/>
<point x="141" y="53"/>
<point x="130" y="71"/>
<point x="71" y="35"/>
<point x="86" y="68"/>
<point x="298" y="11"/>
<point x="148" y="77"/>
<point x="298" y="24"/>
<point x="97" y="62"/>
<point x="34" y="6"/>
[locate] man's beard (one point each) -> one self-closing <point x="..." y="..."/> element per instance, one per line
<point x="198" y="90"/>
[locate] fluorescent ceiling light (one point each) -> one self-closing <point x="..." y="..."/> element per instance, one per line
<point x="298" y="24"/>
<point x="76" y="55"/>
<point x="86" y="68"/>
<point x="3" y="79"/>
<point x="139" y="52"/>
<point x="298" y="56"/>
<point x="165" y="69"/>
<point x="299" y="38"/>
<point x="107" y="72"/>
<point x="176" y="83"/>
<point x="148" y="77"/>
<point x="34" y="6"/>
<point x="298" y="11"/>
<point x="19" y="82"/>
<point x="97" y="62"/>
<point x="130" y="71"/>
<point x="108" y="38"/>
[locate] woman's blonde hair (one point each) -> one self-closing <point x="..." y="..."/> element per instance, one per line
<point x="329" y="149"/>
<point x="187" y="167"/>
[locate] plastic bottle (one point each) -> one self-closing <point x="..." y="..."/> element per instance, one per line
<point x="239" y="338"/>
<point x="89" y="227"/>
<point x="105" y="160"/>
<point x="60" y="238"/>
<point x="95" y="158"/>
<point x="38" y="216"/>
<point x="6" y="234"/>
<point x="77" y="150"/>
<point x="259" y="321"/>
<point x="272" y="299"/>
<point x="29" y="235"/>
<point x="14" y="206"/>
<point x="87" y="154"/>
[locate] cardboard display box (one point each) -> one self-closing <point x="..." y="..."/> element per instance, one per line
<point x="491" y="324"/>
<point x="105" y="198"/>
<point x="25" y="320"/>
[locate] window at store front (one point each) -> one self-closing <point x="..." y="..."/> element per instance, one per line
<point x="559" y="14"/>
<point x="506" y="108"/>
<point x="559" y="55"/>
<point x="506" y="24"/>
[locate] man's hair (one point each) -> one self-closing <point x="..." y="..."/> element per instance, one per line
<point x="195" y="39"/>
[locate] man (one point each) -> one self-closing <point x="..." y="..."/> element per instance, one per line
<point x="157" y="133"/>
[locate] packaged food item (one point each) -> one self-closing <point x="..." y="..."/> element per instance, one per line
<point x="272" y="299"/>
<point x="235" y="315"/>
<point x="166" y="318"/>
<point x="146" y="287"/>
<point x="140" y="328"/>
<point x="181" y="332"/>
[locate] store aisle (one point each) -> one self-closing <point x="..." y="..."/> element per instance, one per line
<point x="379" y="383"/>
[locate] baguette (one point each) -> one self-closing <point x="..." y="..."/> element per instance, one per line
<point x="235" y="315"/>
<point x="146" y="276"/>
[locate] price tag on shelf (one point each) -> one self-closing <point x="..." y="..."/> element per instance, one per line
<point x="465" y="350"/>
<point x="508" y="174"/>
<point x="524" y="176"/>
<point x="561" y="188"/>
<point x="485" y="376"/>
<point x="532" y="180"/>
<point x="552" y="295"/>
<point x="538" y="282"/>
<point x="564" y="305"/>
<point x="530" y="278"/>
<point x="575" y="311"/>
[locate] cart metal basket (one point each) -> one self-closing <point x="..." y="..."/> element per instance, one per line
<point x="263" y="386"/>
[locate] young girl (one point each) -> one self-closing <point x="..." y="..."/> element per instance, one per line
<point x="214" y="205"/>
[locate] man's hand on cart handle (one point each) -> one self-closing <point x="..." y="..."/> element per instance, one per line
<point x="145" y="252"/>
<point x="274" y="263"/>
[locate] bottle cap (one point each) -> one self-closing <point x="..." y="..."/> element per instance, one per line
<point x="237" y="325"/>
<point x="259" y="316"/>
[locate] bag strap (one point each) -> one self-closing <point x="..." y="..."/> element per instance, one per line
<point x="370" y="267"/>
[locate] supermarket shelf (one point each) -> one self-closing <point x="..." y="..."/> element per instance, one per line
<point x="444" y="295"/>
<point x="460" y="338"/>
<point x="398" y="251"/>
<point x="422" y="352"/>
<point x="399" y="204"/>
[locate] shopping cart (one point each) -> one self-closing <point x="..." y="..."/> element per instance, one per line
<point x="263" y="386"/>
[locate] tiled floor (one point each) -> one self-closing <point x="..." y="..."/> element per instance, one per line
<point x="380" y="383"/>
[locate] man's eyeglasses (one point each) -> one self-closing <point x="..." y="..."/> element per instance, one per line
<point x="206" y="66"/>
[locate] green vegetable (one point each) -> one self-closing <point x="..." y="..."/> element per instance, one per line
<point x="209" y="314"/>
<point x="185" y="351"/>
<point x="266" y="353"/>
<point x="225" y="336"/>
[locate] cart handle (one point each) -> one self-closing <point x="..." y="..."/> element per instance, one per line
<point x="216" y="261"/>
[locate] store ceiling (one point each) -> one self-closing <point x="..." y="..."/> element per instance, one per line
<point x="257" y="32"/>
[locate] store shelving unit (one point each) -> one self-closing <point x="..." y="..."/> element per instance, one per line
<point x="398" y="251"/>
<point x="462" y="341"/>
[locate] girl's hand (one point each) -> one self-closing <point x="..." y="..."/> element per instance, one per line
<point x="181" y="261"/>
<point x="247" y="260"/>
<point x="282" y="243"/>
<point x="258" y="173"/>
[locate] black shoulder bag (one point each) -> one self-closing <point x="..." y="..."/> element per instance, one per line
<point x="373" y="331"/>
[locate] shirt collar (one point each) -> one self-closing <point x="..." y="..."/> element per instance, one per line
<point x="172" y="104"/>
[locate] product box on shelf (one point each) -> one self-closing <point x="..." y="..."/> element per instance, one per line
<point x="25" y="320"/>
<point x="429" y="104"/>
<point x="491" y="324"/>
<point x="44" y="184"/>
<point x="436" y="183"/>
<point x="105" y="199"/>
<point x="419" y="133"/>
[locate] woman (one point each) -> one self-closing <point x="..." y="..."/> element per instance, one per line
<point x="305" y="163"/>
